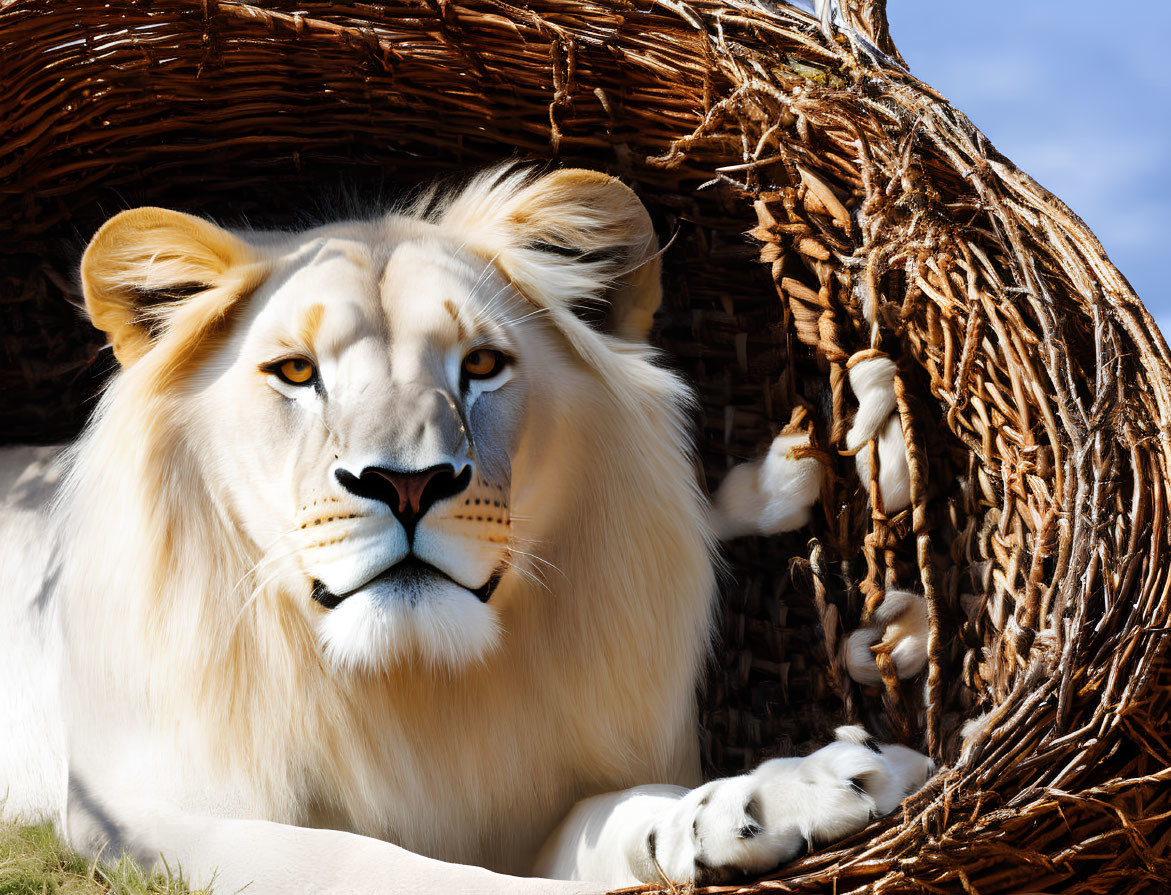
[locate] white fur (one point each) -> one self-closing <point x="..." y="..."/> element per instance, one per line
<point x="375" y="628"/>
<point x="894" y="471"/>
<point x="216" y="713"/>
<point x="739" y="825"/>
<point x="32" y="757"/>
<point x="873" y="382"/>
<point x="771" y="495"/>
<point x="899" y="625"/>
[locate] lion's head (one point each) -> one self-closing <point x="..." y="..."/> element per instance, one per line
<point x="393" y="411"/>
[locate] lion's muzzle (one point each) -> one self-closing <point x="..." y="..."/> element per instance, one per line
<point x="411" y="572"/>
<point x="409" y="494"/>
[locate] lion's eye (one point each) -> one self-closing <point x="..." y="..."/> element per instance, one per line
<point x="295" y="371"/>
<point x="484" y="363"/>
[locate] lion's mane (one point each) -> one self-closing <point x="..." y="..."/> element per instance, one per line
<point x="170" y="622"/>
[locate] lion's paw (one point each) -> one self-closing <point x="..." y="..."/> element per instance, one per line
<point x="771" y="495"/>
<point x="898" y="627"/>
<point x="744" y="826"/>
<point x="716" y="832"/>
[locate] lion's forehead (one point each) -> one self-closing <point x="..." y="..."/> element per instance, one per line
<point x="331" y="292"/>
<point x="325" y="291"/>
<point x="428" y="288"/>
<point x="387" y="324"/>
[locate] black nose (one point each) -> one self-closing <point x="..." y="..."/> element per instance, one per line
<point x="408" y="494"/>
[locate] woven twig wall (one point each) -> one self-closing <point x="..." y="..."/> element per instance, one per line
<point x="1032" y="385"/>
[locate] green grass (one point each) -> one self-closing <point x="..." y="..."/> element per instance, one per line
<point x="34" y="861"/>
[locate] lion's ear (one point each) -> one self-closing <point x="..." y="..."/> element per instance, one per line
<point x="144" y="262"/>
<point x="575" y="237"/>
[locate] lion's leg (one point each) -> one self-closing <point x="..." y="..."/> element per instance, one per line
<point x="736" y="826"/>
<point x="232" y="855"/>
<point x="771" y="495"/>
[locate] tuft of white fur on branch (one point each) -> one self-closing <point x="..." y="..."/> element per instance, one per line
<point x="898" y="626"/>
<point x="894" y="472"/>
<point x="872" y="377"/>
<point x="770" y="495"/>
<point x="873" y="382"/>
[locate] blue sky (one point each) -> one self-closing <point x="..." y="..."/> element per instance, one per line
<point x="1078" y="94"/>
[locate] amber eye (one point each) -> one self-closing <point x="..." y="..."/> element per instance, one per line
<point x="483" y="363"/>
<point x="295" y="371"/>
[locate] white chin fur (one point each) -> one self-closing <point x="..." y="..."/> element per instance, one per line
<point x="385" y="624"/>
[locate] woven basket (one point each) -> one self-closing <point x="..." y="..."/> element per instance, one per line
<point x="1033" y="385"/>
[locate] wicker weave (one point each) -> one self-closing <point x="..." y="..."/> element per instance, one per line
<point x="1033" y="385"/>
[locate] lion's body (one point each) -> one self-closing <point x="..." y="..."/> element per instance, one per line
<point x="32" y="751"/>
<point x="531" y="728"/>
<point x="373" y="534"/>
<point x="182" y="689"/>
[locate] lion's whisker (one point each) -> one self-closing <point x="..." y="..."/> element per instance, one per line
<point x="536" y="312"/>
<point x="482" y="313"/>
<point x="528" y="574"/>
<point x="540" y="559"/>
<point x="266" y="558"/>
<point x="486" y="272"/>
<point x="252" y="598"/>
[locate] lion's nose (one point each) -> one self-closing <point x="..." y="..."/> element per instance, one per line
<point x="408" y="494"/>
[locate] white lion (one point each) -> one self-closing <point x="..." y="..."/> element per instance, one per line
<point x="374" y="540"/>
